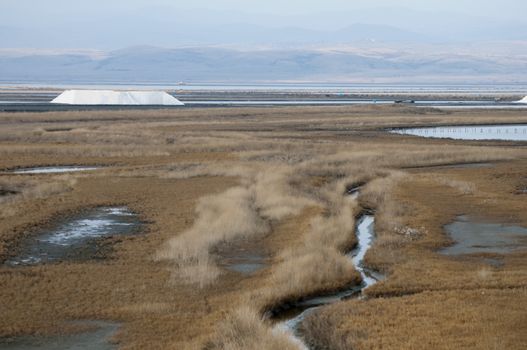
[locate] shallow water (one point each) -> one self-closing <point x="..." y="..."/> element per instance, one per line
<point x="97" y="339"/>
<point x="484" y="132"/>
<point x="478" y="237"/>
<point x="290" y="328"/>
<point x="365" y="234"/>
<point x="242" y="256"/>
<point x="53" y="169"/>
<point x="75" y="239"/>
<point x="246" y="263"/>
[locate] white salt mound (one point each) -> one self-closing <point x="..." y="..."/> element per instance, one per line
<point x="110" y="97"/>
<point x="523" y="100"/>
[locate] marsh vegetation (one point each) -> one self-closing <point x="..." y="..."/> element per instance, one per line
<point x="275" y="182"/>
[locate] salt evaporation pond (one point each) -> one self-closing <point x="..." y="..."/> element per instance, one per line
<point x="98" y="339"/>
<point x="53" y="169"/>
<point x="479" y="237"/>
<point x="76" y="238"/>
<point x="484" y="132"/>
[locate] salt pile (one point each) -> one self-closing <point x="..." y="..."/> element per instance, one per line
<point x="110" y="97"/>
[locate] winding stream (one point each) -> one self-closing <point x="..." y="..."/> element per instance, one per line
<point x="365" y="236"/>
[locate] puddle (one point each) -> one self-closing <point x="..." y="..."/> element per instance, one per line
<point x="97" y="339"/>
<point x="247" y="264"/>
<point x="53" y="169"/>
<point x="243" y="257"/>
<point x="477" y="237"/>
<point x="484" y="132"/>
<point x="76" y="238"/>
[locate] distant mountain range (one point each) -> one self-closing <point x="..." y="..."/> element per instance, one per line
<point x="221" y="34"/>
<point x="176" y="26"/>
<point x="214" y="64"/>
<point x="240" y="34"/>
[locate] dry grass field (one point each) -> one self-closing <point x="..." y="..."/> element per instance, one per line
<point x="210" y="183"/>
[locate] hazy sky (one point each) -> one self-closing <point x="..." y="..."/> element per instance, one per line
<point x="15" y="11"/>
<point x="68" y="23"/>
<point x="492" y="8"/>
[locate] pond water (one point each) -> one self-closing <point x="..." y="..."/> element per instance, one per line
<point x="483" y="132"/>
<point x="76" y="238"/>
<point x="246" y="263"/>
<point x="53" y="169"/>
<point x="242" y="256"/>
<point x="480" y="237"/>
<point x="97" y="339"/>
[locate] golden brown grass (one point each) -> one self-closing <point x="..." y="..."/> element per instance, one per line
<point x="224" y="217"/>
<point x="464" y="187"/>
<point x="451" y="302"/>
<point x="117" y="288"/>
<point x="304" y="274"/>
<point x="242" y="212"/>
<point x="205" y="177"/>
<point x="18" y="189"/>
<point x="432" y="320"/>
<point x="245" y="329"/>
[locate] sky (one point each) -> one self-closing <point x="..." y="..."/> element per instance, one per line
<point x="491" y="8"/>
<point x="503" y="9"/>
<point x="111" y="24"/>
